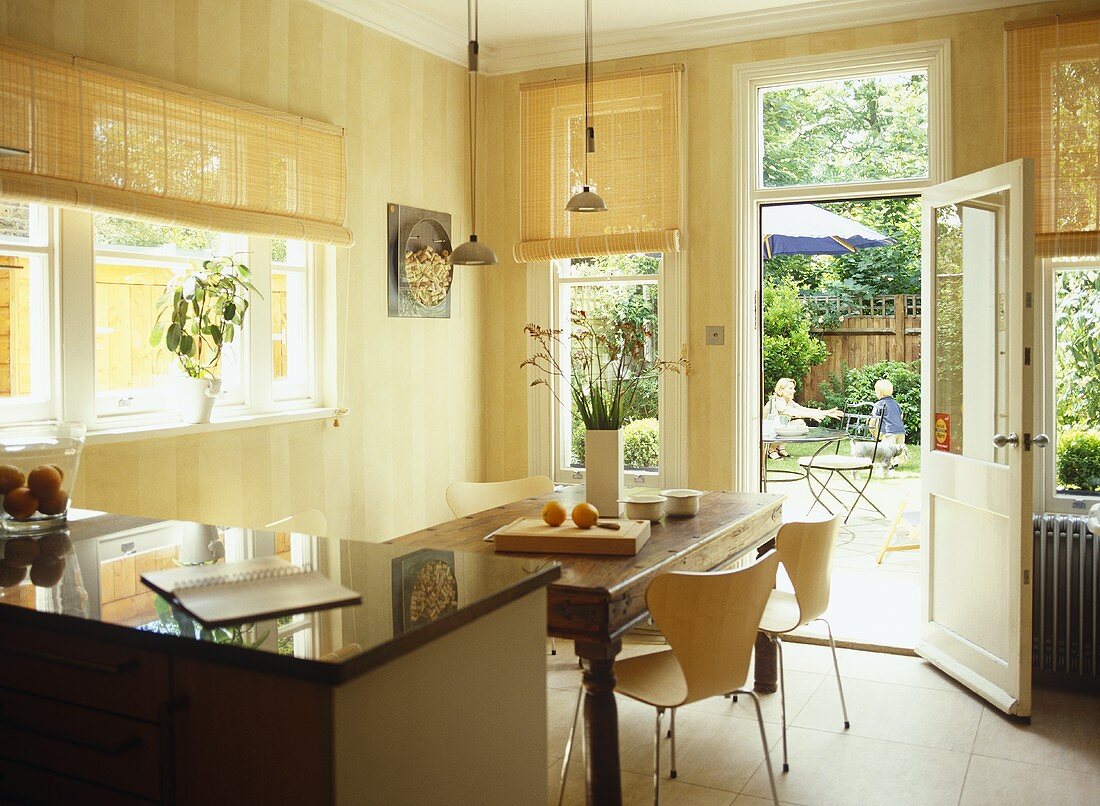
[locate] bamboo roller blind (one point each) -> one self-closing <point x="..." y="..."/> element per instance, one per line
<point x="1054" y="118"/>
<point x="636" y="166"/>
<point x="115" y="142"/>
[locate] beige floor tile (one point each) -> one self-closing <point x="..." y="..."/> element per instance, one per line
<point x="560" y="705"/>
<point x="883" y="667"/>
<point x="947" y="720"/>
<point x="637" y="789"/>
<point x="749" y="800"/>
<point x="999" y="782"/>
<point x="844" y="769"/>
<point x="800" y="687"/>
<point x="1064" y="732"/>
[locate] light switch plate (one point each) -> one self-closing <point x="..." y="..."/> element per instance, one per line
<point x="716" y="334"/>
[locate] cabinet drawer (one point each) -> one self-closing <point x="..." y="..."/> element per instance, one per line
<point x="107" y="676"/>
<point x="83" y="743"/>
<point x="23" y="784"/>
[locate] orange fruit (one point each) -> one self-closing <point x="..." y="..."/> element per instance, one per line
<point x="11" y="575"/>
<point x="54" y="503"/>
<point x="20" y="551"/>
<point x="55" y="544"/>
<point x="554" y="513"/>
<point x="20" y="503"/>
<point x="46" y="571"/>
<point x="585" y="516"/>
<point x="44" y="481"/>
<point x="10" y="478"/>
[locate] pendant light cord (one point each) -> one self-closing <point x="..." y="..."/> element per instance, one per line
<point x="588" y="133"/>
<point x="471" y="26"/>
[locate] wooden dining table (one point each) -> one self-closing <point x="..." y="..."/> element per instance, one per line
<point x="599" y="599"/>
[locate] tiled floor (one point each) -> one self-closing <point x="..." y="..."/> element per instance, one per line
<point x="916" y="737"/>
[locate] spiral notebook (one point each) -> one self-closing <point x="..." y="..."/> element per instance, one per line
<point x="249" y="590"/>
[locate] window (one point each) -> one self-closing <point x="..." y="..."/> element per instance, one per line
<point x="26" y="343"/>
<point x="1073" y="396"/>
<point x="620" y="289"/>
<point x="858" y="129"/>
<point x="133" y="262"/>
<point x="113" y="377"/>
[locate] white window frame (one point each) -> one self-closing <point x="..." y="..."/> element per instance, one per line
<point x="748" y="81"/>
<point x="40" y="249"/>
<point x="285" y="393"/>
<point x="548" y="428"/>
<point x="1047" y="497"/>
<point x="73" y="260"/>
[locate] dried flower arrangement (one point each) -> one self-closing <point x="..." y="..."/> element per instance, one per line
<point x="608" y="363"/>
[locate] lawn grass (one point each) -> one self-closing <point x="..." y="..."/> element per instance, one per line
<point x="908" y="469"/>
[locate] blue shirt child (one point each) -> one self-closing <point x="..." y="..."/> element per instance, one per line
<point x="889" y="413"/>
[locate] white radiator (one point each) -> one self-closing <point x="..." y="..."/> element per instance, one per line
<point x="1066" y="568"/>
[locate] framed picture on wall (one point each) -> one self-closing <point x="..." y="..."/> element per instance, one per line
<point x="424" y="588"/>
<point x="420" y="275"/>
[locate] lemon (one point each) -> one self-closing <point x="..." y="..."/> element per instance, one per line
<point x="585" y="516"/>
<point x="554" y="513"/>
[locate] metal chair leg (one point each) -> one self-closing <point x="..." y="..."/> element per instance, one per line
<point x="553" y="646"/>
<point x="657" y="759"/>
<point x="569" y="744"/>
<point x="672" y="735"/>
<point x="836" y="668"/>
<point x="763" y="741"/>
<point x="782" y="699"/>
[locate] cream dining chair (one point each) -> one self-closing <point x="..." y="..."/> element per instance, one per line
<point x="710" y="621"/>
<point x="805" y="549"/>
<point x="467" y="497"/>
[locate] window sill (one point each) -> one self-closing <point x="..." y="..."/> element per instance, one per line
<point x="108" y="434"/>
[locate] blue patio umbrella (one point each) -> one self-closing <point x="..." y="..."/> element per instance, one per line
<point x="806" y="229"/>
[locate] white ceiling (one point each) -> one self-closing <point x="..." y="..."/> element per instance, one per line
<point x="526" y="34"/>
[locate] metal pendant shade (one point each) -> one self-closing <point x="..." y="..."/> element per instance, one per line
<point x="587" y="201"/>
<point x="473" y="253"/>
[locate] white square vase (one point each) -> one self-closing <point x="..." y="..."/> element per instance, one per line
<point x="603" y="470"/>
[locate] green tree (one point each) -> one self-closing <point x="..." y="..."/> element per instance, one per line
<point x="789" y="349"/>
<point x="1077" y="356"/>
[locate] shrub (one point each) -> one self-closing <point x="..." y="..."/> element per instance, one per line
<point x="789" y="349"/>
<point x="578" y="441"/>
<point x="1079" y="460"/>
<point x="641" y="443"/>
<point x="857" y="385"/>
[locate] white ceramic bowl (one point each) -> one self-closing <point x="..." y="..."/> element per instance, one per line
<point x="682" y="503"/>
<point x="644" y="507"/>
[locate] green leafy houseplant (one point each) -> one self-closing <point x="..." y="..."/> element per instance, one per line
<point x="202" y="311"/>
<point x="610" y="368"/>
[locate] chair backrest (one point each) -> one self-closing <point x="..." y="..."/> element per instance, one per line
<point x="805" y="548"/>
<point x="467" y="497"/>
<point x="306" y="522"/>
<point x="710" y="620"/>
<point x="860" y="424"/>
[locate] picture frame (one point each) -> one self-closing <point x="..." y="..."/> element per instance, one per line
<point x="425" y="588"/>
<point x="419" y="276"/>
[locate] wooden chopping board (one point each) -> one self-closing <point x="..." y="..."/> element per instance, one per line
<point x="535" y="536"/>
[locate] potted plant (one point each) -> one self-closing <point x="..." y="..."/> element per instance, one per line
<point x="609" y="362"/>
<point x="200" y="313"/>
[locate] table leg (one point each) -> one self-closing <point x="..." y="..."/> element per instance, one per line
<point x="601" y="722"/>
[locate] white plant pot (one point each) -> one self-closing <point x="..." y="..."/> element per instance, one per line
<point x="603" y="471"/>
<point x="195" y="398"/>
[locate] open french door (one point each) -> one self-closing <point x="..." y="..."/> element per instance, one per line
<point x="976" y="458"/>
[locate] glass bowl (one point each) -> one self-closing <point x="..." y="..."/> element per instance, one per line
<point x="38" y="466"/>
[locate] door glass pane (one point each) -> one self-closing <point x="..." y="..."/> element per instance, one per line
<point x="970" y="345"/>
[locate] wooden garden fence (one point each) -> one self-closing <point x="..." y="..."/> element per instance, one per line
<point x="861" y="332"/>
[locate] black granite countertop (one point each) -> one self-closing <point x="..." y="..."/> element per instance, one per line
<point x="88" y="582"/>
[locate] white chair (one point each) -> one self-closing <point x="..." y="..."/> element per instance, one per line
<point x="805" y="548"/>
<point x="467" y="497"/>
<point x="710" y="621"/>
<point x="306" y="522"/>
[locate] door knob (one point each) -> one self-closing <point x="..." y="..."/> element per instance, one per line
<point x="1000" y="440"/>
<point x="1040" y="440"/>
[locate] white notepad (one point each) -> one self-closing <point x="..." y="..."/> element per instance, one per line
<point x="249" y="590"/>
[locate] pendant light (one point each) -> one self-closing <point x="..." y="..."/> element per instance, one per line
<point x="473" y="253"/>
<point x="587" y="201"/>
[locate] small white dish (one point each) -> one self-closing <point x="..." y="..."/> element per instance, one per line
<point x="682" y="503"/>
<point x="644" y="507"/>
<point x="791" y="432"/>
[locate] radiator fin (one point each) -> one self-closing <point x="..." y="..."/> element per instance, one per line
<point x="1066" y="566"/>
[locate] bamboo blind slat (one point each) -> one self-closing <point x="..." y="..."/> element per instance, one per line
<point x="636" y="166"/>
<point x="107" y="140"/>
<point x="1053" y="117"/>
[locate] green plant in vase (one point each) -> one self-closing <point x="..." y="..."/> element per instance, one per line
<point x="608" y="367"/>
<point x="200" y="314"/>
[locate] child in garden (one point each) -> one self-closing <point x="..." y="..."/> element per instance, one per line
<point x="888" y="420"/>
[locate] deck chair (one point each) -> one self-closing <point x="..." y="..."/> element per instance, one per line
<point x="907" y="521"/>
<point x="830" y="473"/>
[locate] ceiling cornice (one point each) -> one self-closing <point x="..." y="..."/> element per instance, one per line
<point x="396" y="20"/>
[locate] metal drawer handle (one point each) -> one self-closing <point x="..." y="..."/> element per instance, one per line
<point x="83" y="665"/>
<point x="118" y="749"/>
